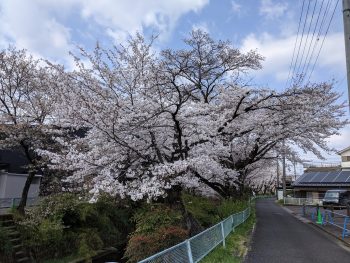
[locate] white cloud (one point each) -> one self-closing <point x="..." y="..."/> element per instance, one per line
<point x="236" y="8"/>
<point x="278" y="54"/>
<point x="202" y="26"/>
<point x="341" y="141"/>
<point x="130" y="16"/>
<point x="271" y="9"/>
<point x="26" y="25"/>
<point x="45" y="27"/>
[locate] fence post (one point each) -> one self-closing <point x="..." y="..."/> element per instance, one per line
<point x="13" y="202"/>
<point x="332" y="209"/>
<point x="189" y="251"/>
<point x="232" y="226"/>
<point x="348" y="209"/>
<point x="223" y="234"/>
<point x="345" y="230"/>
<point x="304" y="212"/>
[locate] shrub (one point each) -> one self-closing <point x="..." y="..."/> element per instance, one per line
<point x="51" y="230"/>
<point x="88" y="243"/>
<point x="47" y="239"/>
<point x="157" y="227"/>
<point x="202" y="208"/>
<point x="141" y="246"/>
<point x="228" y="207"/>
<point x="6" y="248"/>
<point x="152" y="217"/>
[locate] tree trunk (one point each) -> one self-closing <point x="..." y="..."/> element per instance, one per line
<point x="25" y="191"/>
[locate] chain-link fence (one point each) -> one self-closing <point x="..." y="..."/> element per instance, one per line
<point x="197" y="247"/>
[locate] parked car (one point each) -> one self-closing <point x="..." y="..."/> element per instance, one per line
<point x="336" y="198"/>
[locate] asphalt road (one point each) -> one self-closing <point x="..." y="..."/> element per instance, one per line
<point x="281" y="238"/>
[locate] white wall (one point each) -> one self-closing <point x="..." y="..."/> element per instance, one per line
<point x="345" y="164"/>
<point x="11" y="185"/>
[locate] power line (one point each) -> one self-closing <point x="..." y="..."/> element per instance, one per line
<point x="295" y="43"/>
<point x="329" y="24"/>
<point x="312" y="41"/>
<point x="307" y="37"/>
<point x="301" y="40"/>
<point x="318" y="36"/>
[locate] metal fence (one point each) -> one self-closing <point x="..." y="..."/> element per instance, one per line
<point x="13" y="202"/>
<point x="197" y="247"/>
<point x="302" y="201"/>
<point x="337" y="220"/>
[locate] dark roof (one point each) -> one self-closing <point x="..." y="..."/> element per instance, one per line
<point x="330" y="178"/>
<point x="13" y="161"/>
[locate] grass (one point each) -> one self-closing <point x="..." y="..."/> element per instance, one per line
<point x="236" y="244"/>
<point x="280" y="202"/>
<point x="208" y="211"/>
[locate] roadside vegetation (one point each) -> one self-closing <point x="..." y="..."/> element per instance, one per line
<point x="65" y="227"/>
<point x="237" y="244"/>
<point x="6" y="248"/>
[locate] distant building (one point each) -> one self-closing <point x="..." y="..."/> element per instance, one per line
<point x="316" y="180"/>
<point x="345" y="158"/>
<point x="315" y="184"/>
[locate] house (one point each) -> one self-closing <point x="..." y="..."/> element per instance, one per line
<point x="314" y="185"/>
<point x="13" y="175"/>
<point x="345" y="158"/>
<point x="317" y="180"/>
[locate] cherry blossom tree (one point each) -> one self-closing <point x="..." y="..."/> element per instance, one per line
<point x="26" y="103"/>
<point x="159" y="122"/>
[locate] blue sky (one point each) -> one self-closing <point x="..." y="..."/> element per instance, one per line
<point x="51" y="28"/>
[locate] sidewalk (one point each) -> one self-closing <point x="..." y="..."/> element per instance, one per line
<point x="280" y="238"/>
<point x="333" y="230"/>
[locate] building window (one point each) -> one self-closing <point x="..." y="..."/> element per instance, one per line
<point x="345" y="158"/>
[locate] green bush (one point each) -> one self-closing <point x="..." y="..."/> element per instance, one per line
<point x="141" y="246"/>
<point x="152" y="217"/>
<point x="202" y="208"/>
<point x="88" y="243"/>
<point x="209" y="211"/>
<point x="6" y="248"/>
<point x="228" y="207"/>
<point x="46" y="239"/>
<point x="63" y="225"/>
<point x="157" y="227"/>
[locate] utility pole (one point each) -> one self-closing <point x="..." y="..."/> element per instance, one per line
<point x="284" y="170"/>
<point x="278" y="172"/>
<point x="346" y="19"/>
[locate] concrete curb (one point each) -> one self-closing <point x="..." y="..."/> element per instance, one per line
<point x="307" y="221"/>
<point x="249" y="245"/>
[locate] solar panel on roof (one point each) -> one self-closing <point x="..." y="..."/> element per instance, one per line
<point x="307" y="177"/>
<point x="318" y="177"/>
<point x="335" y="177"/>
<point x="329" y="177"/>
<point x="342" y="177"/>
